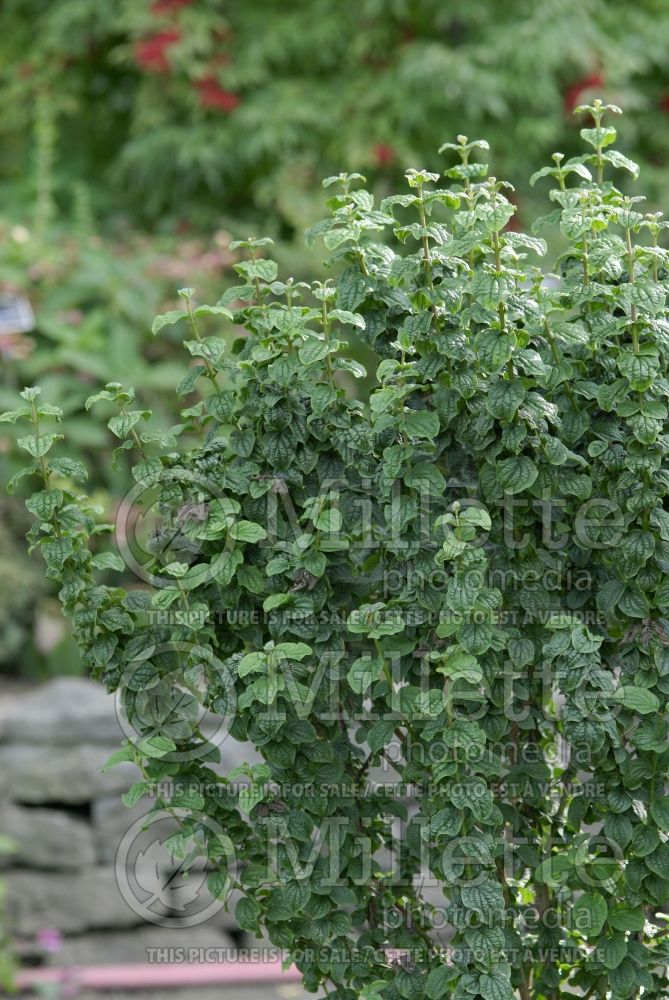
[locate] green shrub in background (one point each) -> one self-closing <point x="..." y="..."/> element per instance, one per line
<point x="457" y="575"/>
<point x="176" y="108"/>
<point x="94" y="291"/>
<point x="22" y="589"/>
<point x="94" y="299"/>
<point x="7" y="958"/>
<point x="181" y="115"/>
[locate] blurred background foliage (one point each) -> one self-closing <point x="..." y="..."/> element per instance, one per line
<point x="139" y="137"/>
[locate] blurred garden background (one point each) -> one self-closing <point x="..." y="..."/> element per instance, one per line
<point x="138" y="138"/>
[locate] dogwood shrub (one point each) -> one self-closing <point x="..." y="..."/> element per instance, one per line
<point x="438" y="614"/>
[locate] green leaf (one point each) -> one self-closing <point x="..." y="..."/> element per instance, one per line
<point x="109" y="560"/>
<point x="494" y="349"/>
<point x="476" y="516"/>
<point x="626" y="918"/>
<point x="122" y="424"/>
<point x="504" y="398"/>
<point x="219" y="884"/>
<point x="135" y="793"/>
<point x="521" y="652"/>
<point x="167" y="319"/>
<point x="292" y="650"/>
<point x="493" y="986"/>
<point x="617" y="159"/>
<point x="38" y="446"/>
<point x="438" y="982"/>
<point x="637" y="699"/>
<point x="263" y="269"/>
<point x="554" y="870"/>
<point x="69" y="468"/>
<point x="250" y="795"/>
<point x="118" y="757"/>
<point x="491" y="287"/>
<point x="251" y="663"/>
<point x="623" y="978"/>
<point x="589" y="914"/>
<point x="421" y="423"/>
<point x="372" y="991"/>
<point x="363" y="672"/>
<point x="222" y="405"/>
<point x="156" y="746"/>
<point x="11" y="416"/>
<point x="660" y="519"/>
<point x="659" y="810"/>
<point x="485" y="898"/>
<point x="276" y="601"/>
<point x="217" y="310"/>
<point x="242" y="442"/>
<point x="516" y="474"/>
<point x="343" y="316"/>
<point x="247" y="531"/>
<point x="380" y="734"/>
<point x="461" y="665"/>
<point x="44" y="503"/>
<point x="328" y="521"/>
<point x="312" y="351"/>
<point x="638" y="369"/>
<point x="247" y="913"/>
<point x="287" y="901"/>
<point x="612" y="950"/>
<point x="187" y="383"/>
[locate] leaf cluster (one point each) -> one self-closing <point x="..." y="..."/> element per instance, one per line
<point x="447" y="581"/>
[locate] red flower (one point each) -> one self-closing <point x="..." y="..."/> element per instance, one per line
<point x="384" y="154"/>
<point x="212" y="95"/>
<point x="664" y="103"/>
<point x="572" y="96"/>
<point x="167" y="6"/>
<point x="151" y="54"/>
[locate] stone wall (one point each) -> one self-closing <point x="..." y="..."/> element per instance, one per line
<point x="84" y="864"/>
<point x="67" y="821"/>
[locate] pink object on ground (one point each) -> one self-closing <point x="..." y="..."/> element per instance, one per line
<point x="145" y="975"/>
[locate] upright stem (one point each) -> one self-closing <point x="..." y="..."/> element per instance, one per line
<point x="631" y="278"/>
<point x="192" y="322"/>
<point x="42" y="461"/>
<point x="326" y="333"/>
<point x="135" y="437"/>
<point x="586" y="262"/>
<point x="501" y="309"/>
<point x="427" y="257"/>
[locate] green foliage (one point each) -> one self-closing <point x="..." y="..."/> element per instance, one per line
<point x="220" y="106"/>
<point x="456" y="577"/>
<point x="94" y="299"/>
<point x="7" y="958"/>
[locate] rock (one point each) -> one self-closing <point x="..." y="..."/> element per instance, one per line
<point x="66" y="711"/>
<point x="88" y="900"/>
<point x="68" y="775"/>
<point x="139" y="945"/>
<point x="111" y="820"/>
<point x="223" y="917"/>
<point x="47" y="838"/>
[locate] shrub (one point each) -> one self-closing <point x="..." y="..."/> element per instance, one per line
<point x="462" y="581"/>
<point x="94" y="301"/>
<point x="240" y="109"/>
<point x="7" y="957"/>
